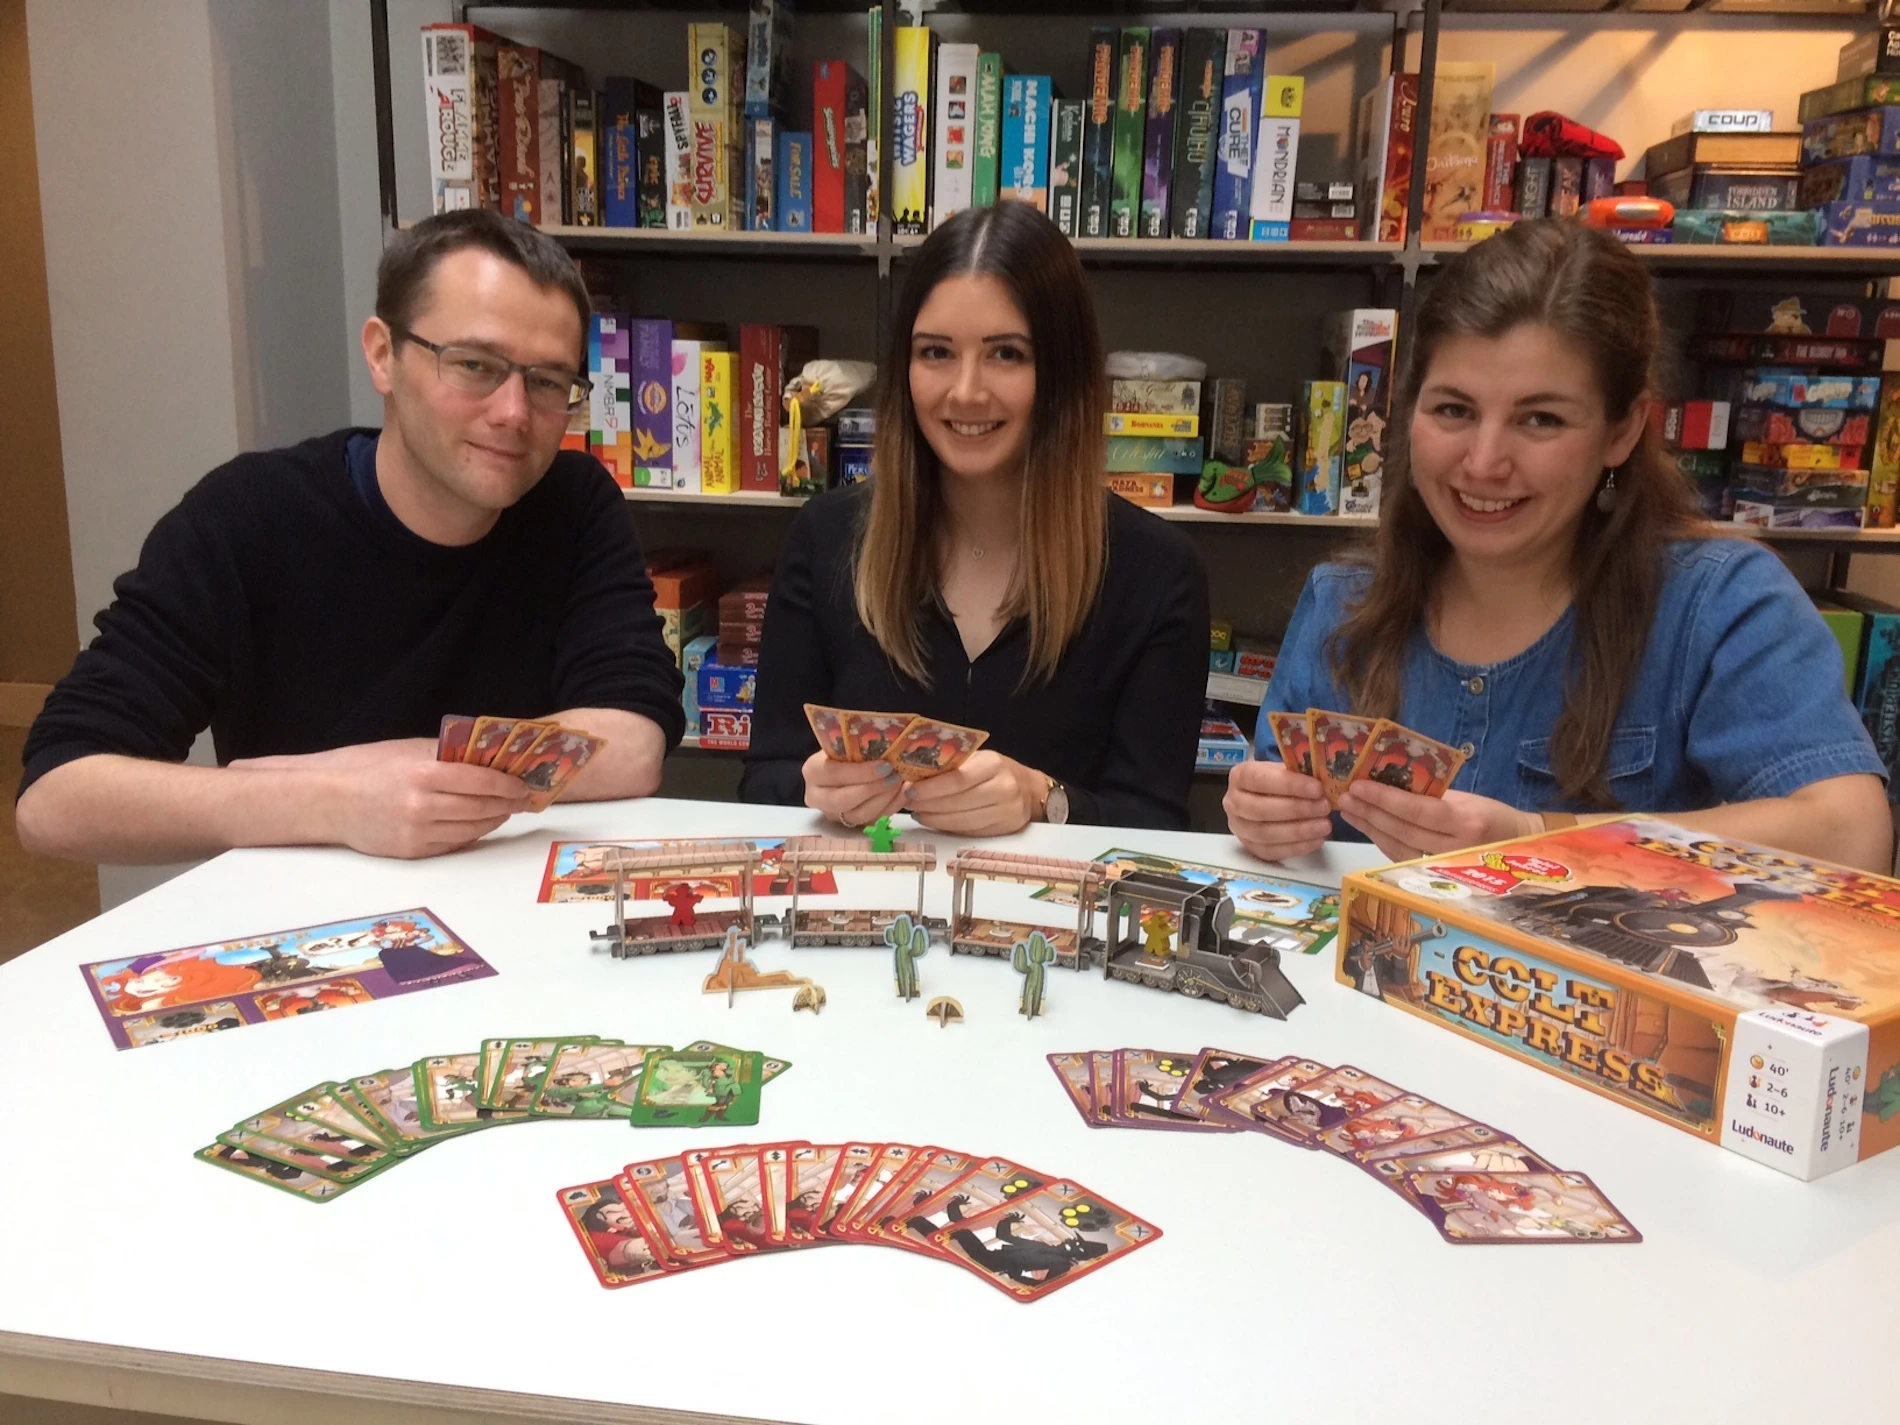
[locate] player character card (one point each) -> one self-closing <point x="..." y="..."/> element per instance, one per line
<point x="173" y="994"/>
<point x="617" y="1247"/>
<point x="1470" y="1208"/>
<point x="870" y="735"/>
<point x="1044" y="1239"/>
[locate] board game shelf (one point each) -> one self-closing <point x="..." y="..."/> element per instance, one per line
<point x="1744" y="259"/>
<point x="847" y="247"/>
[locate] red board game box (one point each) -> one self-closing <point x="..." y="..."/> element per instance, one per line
<point x="1748" y="996"/>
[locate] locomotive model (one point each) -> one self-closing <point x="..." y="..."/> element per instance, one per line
<point x="1177" y="938"/>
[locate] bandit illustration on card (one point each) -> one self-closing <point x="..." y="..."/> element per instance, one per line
<point x="1294" y="741"/>
<point x="277" y="976"/>
<point x="1408" y="760"/>
<point x="1337" y="739"/>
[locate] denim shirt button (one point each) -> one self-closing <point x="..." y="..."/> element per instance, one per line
<point x="1467" y="748"/>
<point x="1474" y="685"/>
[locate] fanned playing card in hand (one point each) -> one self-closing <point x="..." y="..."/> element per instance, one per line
<point x="544" y="755"/>
<point x="929" y="748"/>
<point x="1408" y="760"/>
<point x="1295" y="742"/>
<point x="827" y="725"/>
<point x="870" y="735"/>
<point x="1337" y="740"/>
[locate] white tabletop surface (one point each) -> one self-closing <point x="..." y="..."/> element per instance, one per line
<point x="1288" y="1285"/>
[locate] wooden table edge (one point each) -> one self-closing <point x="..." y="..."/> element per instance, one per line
<point x="211" y="1388"/>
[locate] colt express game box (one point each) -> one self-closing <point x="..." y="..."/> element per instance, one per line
<point x="1749" y="996"/>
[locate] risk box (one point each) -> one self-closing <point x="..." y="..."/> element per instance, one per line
<point x="1322" y="433"/>
<point x="1748" y="996"/>
<point x="1361" y="348"/>
<point x="724" y="729"/>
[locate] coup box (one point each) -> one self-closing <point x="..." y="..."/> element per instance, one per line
<point x="1748" y="996"/>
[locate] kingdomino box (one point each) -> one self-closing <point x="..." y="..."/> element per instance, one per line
<point x="1748" y="996"/>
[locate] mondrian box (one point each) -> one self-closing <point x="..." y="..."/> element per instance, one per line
<point x="1747" y="996"/>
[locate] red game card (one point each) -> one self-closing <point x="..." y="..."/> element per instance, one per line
<point x="929" y="748"/>
<point x="1408" y="760"/>
<point x="827" y="725"/>
<point x="451" y="741"/>
<point x="1338" y="739"/>
<point x="1295" y="742"/>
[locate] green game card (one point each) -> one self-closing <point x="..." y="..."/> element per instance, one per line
<point x="693" y="1088"/>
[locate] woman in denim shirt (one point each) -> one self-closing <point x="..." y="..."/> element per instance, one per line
<point x="1543" y="594"/>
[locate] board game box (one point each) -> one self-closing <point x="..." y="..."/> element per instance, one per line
<point x="1748" y="996"/>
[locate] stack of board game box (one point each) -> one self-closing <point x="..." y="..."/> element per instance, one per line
<point x="1850" y="145"/>
<point x="1475" y="1183"/>
<point x="685" y="594"/>
<point x="1026" y="1232"/>
<point x="723" y="667"/>
<point x="340" y="1133"/>
<point x="1725" y="171"/>
<point x="1748" y="996"/>
<point x="1153" y="431"/>
<point x="1799" y="450"/>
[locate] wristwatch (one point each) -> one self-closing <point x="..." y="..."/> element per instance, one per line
<point x="1055" y="802"/>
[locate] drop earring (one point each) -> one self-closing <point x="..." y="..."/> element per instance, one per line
<point x="1606" y="497"/>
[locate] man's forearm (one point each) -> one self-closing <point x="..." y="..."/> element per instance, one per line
<point x="629" y="766"/>
<point x="130" y="811"/>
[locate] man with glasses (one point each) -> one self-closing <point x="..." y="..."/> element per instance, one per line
<point x="321" y="608"/>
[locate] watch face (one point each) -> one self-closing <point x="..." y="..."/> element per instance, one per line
<point x="1057" y="807"/>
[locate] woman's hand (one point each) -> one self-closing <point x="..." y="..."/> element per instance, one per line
<point x="1276" y="812"/>
<point x="1407" y="825"/>
<point x="989" y="795"/>
<point x="852" y="794"/>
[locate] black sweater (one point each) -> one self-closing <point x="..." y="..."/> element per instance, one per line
<point x="1117" y="724"/>
<point x="280" y="608"/>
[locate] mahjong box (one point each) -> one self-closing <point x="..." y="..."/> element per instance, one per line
<point x="1748" y="996"/>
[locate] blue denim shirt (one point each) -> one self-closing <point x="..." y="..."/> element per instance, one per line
<point x="1739" y="694"/>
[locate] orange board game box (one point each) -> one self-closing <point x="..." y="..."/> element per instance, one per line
<point x="1749" y="996"/>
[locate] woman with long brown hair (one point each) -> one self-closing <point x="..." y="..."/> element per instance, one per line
<point x="1543" y="594"/>
<point x="986" y="577"/>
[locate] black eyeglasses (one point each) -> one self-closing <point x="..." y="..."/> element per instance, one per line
<point x="480" y="373"/>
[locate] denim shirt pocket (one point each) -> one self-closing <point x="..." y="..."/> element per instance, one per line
<point x="1631" y="771"/>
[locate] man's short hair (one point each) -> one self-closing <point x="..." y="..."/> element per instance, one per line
<point x="402" y="277"/>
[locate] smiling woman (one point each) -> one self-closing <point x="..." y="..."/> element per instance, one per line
<point x="1543" y="594"/>
<point x="986" y="578"/>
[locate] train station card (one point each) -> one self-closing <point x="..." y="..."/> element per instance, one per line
<point x="1045" y="1239"/>
<point x="1408" y="760"/>
<point x="1471" y="1208"/>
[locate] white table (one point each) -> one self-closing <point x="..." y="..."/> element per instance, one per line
<point x="1288" y="1286"/>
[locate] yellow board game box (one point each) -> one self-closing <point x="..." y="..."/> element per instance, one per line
<point x="1748" y="996"/>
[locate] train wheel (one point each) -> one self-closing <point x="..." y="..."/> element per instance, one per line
<point x="1193" y="989"/>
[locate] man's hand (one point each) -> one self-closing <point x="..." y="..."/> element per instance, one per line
<point x="1275" y="812"/>
<point x="853" y="794"/>
<point x="989" y="795"/>
<point x="1407" y="825"/>
<point x="420" y="807"/>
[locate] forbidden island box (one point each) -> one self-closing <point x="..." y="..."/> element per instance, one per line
<point x="1749" y="996"/>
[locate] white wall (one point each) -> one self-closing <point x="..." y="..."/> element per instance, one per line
<point x="189" y="186"/>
